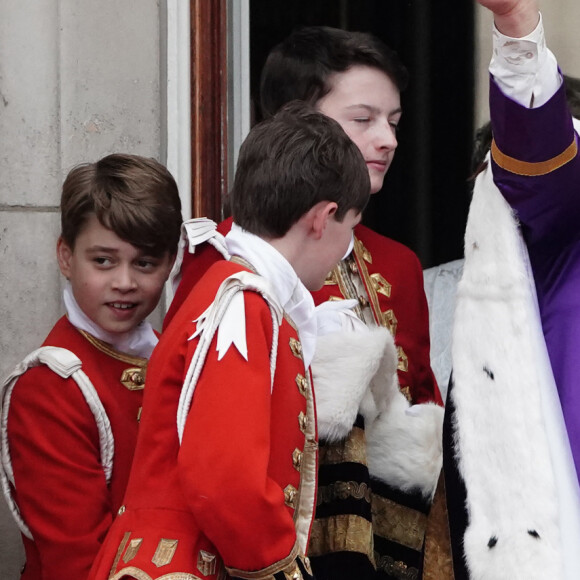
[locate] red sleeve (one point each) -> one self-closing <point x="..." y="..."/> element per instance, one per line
<point x="225" y="453"/>
<point x="60" y="484"/>
<point x="424" y="388"/>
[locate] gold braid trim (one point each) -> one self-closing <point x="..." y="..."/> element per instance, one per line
<point x="110" y="351"/>
<point x="284" y="565"/>
<point x="533" y="169"/>
<point x="362" y="255"/>
<point x="342" y="533"/>
<point x="343" y="490"/>
<point x="139" y="574"/>
<point x="438" y="559"/>
<point x="398" y="523"/>
<point x="350" y="450"/>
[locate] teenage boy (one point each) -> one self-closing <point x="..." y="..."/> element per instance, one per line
<point x="70" y="410"/>
<point x="355" y="79"/>
<point x="225" y="472"/>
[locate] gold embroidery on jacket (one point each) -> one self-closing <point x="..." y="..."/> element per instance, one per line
<point x="381" y="285"/>
<point x="142" y="575"/>
<point x="341" y="533"/>
<point x="110" y="351"/>
<point x="164" y="552"/>
<point x="120" y="550"/>
<point x="403" y="364"/>
<point x="331" y="278"/>
<point x="389" y="321"/>
<point x="407" y="393"/>
<point x="398" y="523"/>
<point x="302" y="384"/>
<point x="342" y="275"/>
<point x="268" y="573"/>
<point x="132" y="549"/>
<point x="362" y="255"/>
<point x="206" y="562"/>
<point x="296" y="347"/>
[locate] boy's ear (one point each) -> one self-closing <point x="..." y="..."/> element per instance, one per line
<point x="64" y="255"/>
<point x="322" y="212"/>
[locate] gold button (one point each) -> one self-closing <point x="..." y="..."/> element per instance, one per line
<point x="302" y="384"/>
<point x="121" y="510"/>
<point x="137" y="378"/>
<point x="353" y="267"/>
<point x="290" y="493"/>
<point x="297" y="459"/>
<point x="133" y="379"/>
<point x="363" y="301"/>
<point x="296" y="347"/>
<point x="303" y="422"/>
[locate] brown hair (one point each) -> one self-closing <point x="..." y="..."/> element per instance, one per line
<point x="289" y="163"/>
<point x="135" y="197"/>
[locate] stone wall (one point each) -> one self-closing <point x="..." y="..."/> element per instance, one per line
<point x="78" y="80"/>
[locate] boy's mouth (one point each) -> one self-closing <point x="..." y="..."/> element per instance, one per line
<point x="122" y="305"/>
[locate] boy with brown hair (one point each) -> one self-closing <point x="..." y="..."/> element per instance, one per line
<point x="224" y="478"/>
<point x="70" y="410"/>
<point x="375" y="468"/>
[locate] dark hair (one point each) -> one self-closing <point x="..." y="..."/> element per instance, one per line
<point x="289" y="163"/>
<point x="300" y="66"/>
<point x="481" y="145"/>
<point x="135" y="197"/>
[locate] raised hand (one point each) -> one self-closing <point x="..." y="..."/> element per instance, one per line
<point x="514" y="18"/>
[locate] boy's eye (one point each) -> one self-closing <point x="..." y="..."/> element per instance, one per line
<point x="102" y="261"/>
<point x="146" y="264"/>
<point x="362" y="119"/>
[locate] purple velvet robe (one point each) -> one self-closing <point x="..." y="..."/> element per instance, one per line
<point x="548" y="207"/>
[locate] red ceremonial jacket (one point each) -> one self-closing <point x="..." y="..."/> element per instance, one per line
<point x="393" y="279"/>
<point x="61" y="489"/>
<point x="238" y="493"/>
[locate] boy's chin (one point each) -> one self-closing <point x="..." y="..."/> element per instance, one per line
<point x="313" y="286"/>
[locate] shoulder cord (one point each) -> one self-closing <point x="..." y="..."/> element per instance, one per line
<point x="226" y="292"/>
<point x="67" y="365"/>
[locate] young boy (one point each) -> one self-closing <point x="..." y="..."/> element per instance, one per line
<point x="355" y="79"/>
<point x="71" y="409"/>
<point x="224" y="477"/>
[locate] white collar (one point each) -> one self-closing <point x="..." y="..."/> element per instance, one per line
<point x="138" y="342"/>
<point x="290" y="291"/>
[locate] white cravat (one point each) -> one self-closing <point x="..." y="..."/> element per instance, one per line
<point x="292" y="295"/>
<point x="138" y="342"/>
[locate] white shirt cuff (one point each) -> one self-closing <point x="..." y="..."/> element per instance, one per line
<point x="524" y="68"/>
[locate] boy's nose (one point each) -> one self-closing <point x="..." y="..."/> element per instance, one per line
<point x="124" y="279"/>
<point x="387" y="137"/>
